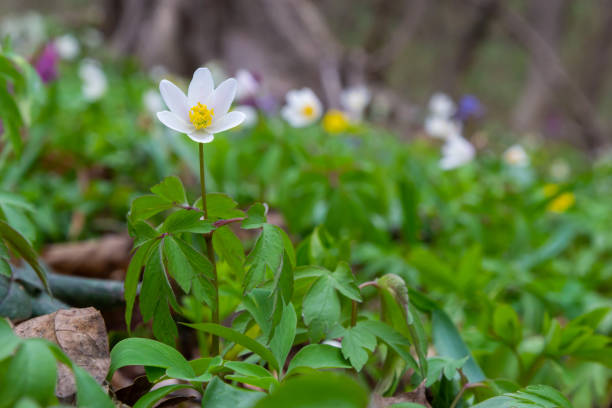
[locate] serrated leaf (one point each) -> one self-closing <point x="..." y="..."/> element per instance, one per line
<point x="187" y="221"/>
<point x="132" y="276"/>
<point x="220" y="206"/>
<point x="321" y="307"/>
<point x="267" y="253"/>
<point x="344" y="281"/>
<point x="229" y="248"/>
<point x="256" y="217"/>
<point x="355" y="343"/>
<point x="284" y="334"/>
<point x="146" y="206"/>
<point x="170" y="189"/>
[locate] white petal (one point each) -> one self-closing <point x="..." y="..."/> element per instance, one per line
<point x="222" y="98"/>
<point x="174" y="122"/>
<point x="174" y="98"/>
<point x="200" y="87"/>
<point x="225" y="122"/>
<point x="295" y="119"/>
<point x="201" y="136"/>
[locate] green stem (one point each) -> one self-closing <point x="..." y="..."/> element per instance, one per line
<point x="211" y="255"/>
<point x="533" y="370"/>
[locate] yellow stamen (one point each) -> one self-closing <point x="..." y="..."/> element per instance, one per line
<point x="308" y="111"/>
<point x="335" y="121"/>
<point x="201" y="116"/>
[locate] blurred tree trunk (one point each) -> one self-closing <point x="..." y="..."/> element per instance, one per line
<point x="598" y="55"/>
<point x="475" y="34"/>
<point x="546" y="18"/>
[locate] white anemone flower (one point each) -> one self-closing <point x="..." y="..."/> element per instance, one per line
<point x="516" y="156"/>
<point x="94" y="79"/>
<point x="152" y="101"/>
<point x="441" y="127"/>
<point x="456" y="152"/>
<point x="204" y="111"/>
<point x="67" y="46"/>
<point x="250" y="114"/>
<point x="248" y="85"/>
<point x="303" y="107"/>
<point x="355" y="100"/>
<point x="441" y="105"/>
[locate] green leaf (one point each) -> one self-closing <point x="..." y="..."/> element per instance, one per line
<point x="267" y="253"/>
<point x="409" y="197"/>
<point x="321" y="307"/>
<point x="220" y="206"/>
<point x="221" y="395"/>
<point x="317" y="356"/>
<point x="142" y="232"/>
<point x="154" y="287"/>
<point x="8" y="339"/>
<point x="149" y="399"/>
<point x="355" y="343"/>
<point x="256" y="217"/>
<point x="187" y="221"/>
<point x="260" y="304"/>
<point x="171" y="189"/>
<point x="506" y="325"/>
<point x="284" y="334"/>
<point x="177" y="263"/>
<point x="229" y="248"/>
<point x="536" y="396"/>
<point x="164" y="327"/>
<point x="394" y="339"/>
<point x="320" y="390"/>
<point x="344" y="281"/>
<point x="249" y="369"/>
<point x="443" y="365"/>
<point x="89" y="392"/>
<point x="448" y="343"/>
<point x="32" y="372"/>
<point x="146" y="206"/>
<point x="21" y="246"/>
<point x="11" y="117"/>
<point x="200" y="264"/>
<point x="238" y="338"/>
<point x="132" y="277"/>
<point x="15" y="201"/>
<point x="147" y="352"/>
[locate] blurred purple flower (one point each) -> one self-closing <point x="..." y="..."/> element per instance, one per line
<point x="268" y="104"/>
<point x="469" y="107"/>
<point x="46" y="63"/>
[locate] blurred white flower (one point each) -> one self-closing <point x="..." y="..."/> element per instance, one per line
<point x="355" y="100"/>
<point x="442" y="105"/>
<point x="250" y="114"/>
<point x="516" y="156"/>
<point x="303" y="107"/>
<point x="248" y="85"/>
<point x="204" y="110"/>
<point x="440" y="122"/>
<point x="152" y="101"/>
<point x="456" y="152"/>
<point x="67" y="46"/>
<point x="94" y="80"/>
<point x="442" y="127"/>
<point x="27" y="31"/>
<point x="92" y="38"/>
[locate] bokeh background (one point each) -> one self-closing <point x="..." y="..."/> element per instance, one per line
<point x="539" y="66"/>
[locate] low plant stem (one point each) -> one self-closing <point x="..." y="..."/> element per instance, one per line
<point x="211" y="256"/>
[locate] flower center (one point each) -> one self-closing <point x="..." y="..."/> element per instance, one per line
<point x="308" y="111"/>
<point x="201" y="116"/>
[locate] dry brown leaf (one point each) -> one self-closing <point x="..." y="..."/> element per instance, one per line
<point x="81" y="334"/>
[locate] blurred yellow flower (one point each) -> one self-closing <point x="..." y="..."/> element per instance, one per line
<point x="335" y="121"/>
<point x="562" y="203"/>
